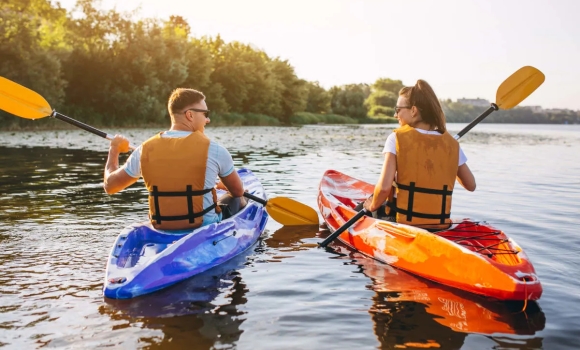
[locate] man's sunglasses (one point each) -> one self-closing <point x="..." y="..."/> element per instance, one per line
<point x="204" y="111"/>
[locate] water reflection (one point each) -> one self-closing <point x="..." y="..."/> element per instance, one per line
<point x="411" y="312"/>
<point x="58" y="226"/>
<point x="291" y="238"/>
<point x="205" y="309"/>
<point x="201" y="311"/>
<point x="47" y="184"/>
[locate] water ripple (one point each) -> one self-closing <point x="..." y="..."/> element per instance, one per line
<point x="58" y="227"/>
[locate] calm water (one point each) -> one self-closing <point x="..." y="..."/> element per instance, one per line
<point x="58" y="226"/>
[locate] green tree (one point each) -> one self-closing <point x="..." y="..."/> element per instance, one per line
<point x="290" y="91"/>
<point x="31" y="33"/>
<point x="318" y="100"/>
<point x="122" y="71"/>
<point x="199" y="70"/>
<point x="381" y="102"/>
<point x="349" y="100"/>
<point x="387" y="84"/>
<point x="383" y="98"/>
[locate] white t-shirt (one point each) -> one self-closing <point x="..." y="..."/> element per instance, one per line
<point x="219" y="163"/>
<point x="391" y="144"/>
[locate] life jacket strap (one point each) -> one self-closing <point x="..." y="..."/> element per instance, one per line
<point x="412" y="189"/>
<point x="189" y="193"/>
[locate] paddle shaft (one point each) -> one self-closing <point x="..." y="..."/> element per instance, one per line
<point x="470" y="126"/>
<point x="254" y="198"/>
<point x="84" y="126"/>
<point x="360" y="214"/>
<point x="348" y="224"/>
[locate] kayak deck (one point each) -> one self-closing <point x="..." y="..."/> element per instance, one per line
<point x="144" y="259"/>
<point x="470" y="255"/>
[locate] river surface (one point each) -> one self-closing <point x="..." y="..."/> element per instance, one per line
<point x="58" y="227"/>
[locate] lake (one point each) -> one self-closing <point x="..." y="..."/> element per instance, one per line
<point x="58" y="227"/>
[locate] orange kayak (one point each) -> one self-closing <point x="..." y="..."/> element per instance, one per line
<point x="471" y="255"/>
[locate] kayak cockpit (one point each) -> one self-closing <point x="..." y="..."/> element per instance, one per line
<point x="141" y="244"/>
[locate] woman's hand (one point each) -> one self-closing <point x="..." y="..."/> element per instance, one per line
<point x="368" y="204"/>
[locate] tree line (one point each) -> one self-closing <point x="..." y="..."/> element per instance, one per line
<point x="107" y="68"/>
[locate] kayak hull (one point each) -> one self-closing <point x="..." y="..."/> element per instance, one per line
<point x="144" y="259"/>
<point x="472" y="256"/>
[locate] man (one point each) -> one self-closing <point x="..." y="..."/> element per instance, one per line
<point x="179" y="167"/>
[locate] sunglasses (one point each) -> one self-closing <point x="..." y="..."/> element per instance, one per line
<point x="398" y="109"/>
<point x="204" y="111"/>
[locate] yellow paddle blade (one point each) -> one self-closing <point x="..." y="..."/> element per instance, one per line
<point x="518" y="86"/>
<point x="290" y="212"/>
<point x="21" y="101"/>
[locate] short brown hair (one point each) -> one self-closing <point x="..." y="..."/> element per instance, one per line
<point x="181" y="98"/>
<point x="423" y="97"/>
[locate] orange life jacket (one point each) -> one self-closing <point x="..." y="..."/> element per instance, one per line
<point x="426" y="171"/>
<point x="174" y="173"/>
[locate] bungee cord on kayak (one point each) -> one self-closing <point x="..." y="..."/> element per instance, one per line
<point x="480" y="238"/>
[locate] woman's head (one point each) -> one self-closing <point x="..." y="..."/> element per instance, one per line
<point x="419" y="103"/>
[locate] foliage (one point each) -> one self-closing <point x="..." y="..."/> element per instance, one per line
<point x="386" y="84"/>
<point x="462" y="113"/>
<point x="380" y="120"/>
<point x="30" y="48"/>
<point x="378" y="111"/>
<point x="383" y="98"/>
<point x="243" y="119"/>
<point x="313" y="118"/>
<point x="107" y="69"/>
<point x="349" y="100"/>
<point x="318" y="98"/>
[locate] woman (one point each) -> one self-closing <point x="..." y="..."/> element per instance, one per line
<point x="424" y="159"/>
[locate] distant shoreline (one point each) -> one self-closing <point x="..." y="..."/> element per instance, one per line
<point x="39" y="126"/>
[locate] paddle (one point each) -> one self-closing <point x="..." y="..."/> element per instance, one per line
<point x="25" y="103"/>
<point x="287" y="211"/>
<point x="510" y="93"/>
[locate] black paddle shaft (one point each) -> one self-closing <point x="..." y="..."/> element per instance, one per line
<point x="476" y="121"/>
<point x="254" y="198"/>
<point x="74" y="122"/>
<point x="348" y="224"/>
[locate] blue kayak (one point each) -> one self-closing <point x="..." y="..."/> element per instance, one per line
<point x="144" y="259"/>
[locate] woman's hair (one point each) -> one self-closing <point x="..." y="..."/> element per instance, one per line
<point x="423" y="97"/>
<point x="181" y="98"/>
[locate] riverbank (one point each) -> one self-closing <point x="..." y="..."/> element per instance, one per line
<point x="14" y="123"/>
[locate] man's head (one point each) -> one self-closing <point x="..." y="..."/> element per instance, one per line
<point x="187" y="107"/>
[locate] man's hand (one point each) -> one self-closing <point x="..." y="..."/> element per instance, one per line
<point x="116" y="179"/>
<point x="120" y="144"/>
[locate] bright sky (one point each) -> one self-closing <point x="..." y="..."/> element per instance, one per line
<point x="463" y="48"/>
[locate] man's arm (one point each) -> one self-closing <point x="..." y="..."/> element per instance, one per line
<point x="116" y="179"/>
<point x="234" y="184"/>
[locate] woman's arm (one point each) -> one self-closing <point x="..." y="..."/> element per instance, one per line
<point x="465" y="177"/>
<point x="385" y="183"/>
